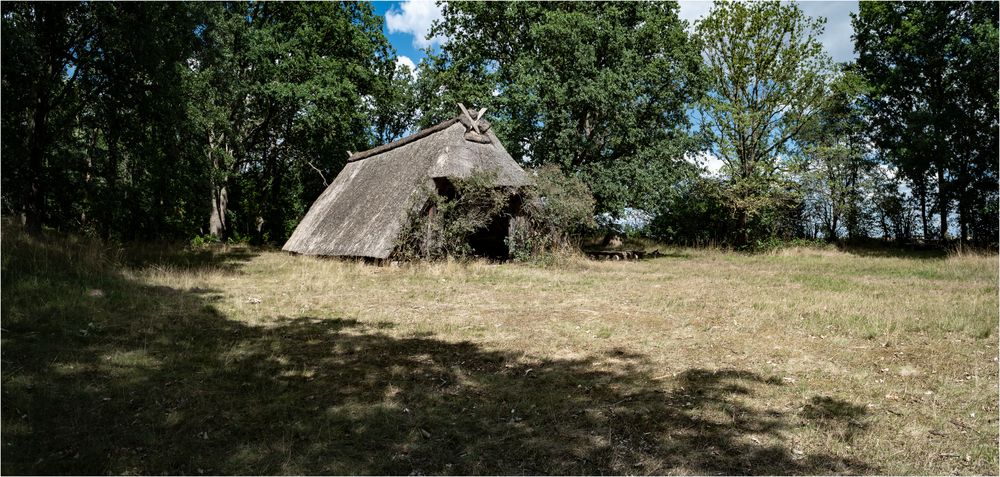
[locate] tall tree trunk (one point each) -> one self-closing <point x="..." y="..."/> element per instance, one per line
<point x="161" y="198"/>
<point x="852" y="205"/>
<point x="942" y="203"/>
<point x="220" y="205"/>
<point x="274" y="212"/>
<point x="35" y="210"/>
<point x="217" y="225"/>
<point x="963" y="220"/>
<point x="744" y="237"/>
<point x="88" y="175"/>
<point x="111" y="205"/>
<point x="922" y="192"/>
<point x="832" y="236"/>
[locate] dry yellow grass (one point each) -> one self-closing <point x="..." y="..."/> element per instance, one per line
<point x="909" y="345"/>
<point x="242" y="361"/>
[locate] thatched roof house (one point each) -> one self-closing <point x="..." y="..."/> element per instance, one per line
<point x="363" y="211"/>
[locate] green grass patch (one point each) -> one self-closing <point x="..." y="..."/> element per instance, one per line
<point x="823" y="282"/>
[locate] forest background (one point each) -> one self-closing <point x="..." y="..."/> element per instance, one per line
<point x="133" y="121"/>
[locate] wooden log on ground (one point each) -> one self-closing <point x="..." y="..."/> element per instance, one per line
<point x="613" y="254"/>
<point x="622" y="254"/>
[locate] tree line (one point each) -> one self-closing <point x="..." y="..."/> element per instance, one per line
<point x="175" y="120"/>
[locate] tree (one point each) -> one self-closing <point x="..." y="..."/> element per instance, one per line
<point x="766" y="69"/>
<point x="600" y="89"/>
<point x="838" y="162"/>
<point x="46" y="47"/>
<point x="396" y="107"/>
<point x="145" y="175"/>
<point x="933" y="105"/>
<point x="121" y="118"/>
<point x="892" y="209"/>
<point x="94" y="141"/>
<point x="698" y="217"/>
<point x="976" y="142"/>
<point x="283" y="86"/>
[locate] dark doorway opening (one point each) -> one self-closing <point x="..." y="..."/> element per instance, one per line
<point x="490" y="241"/>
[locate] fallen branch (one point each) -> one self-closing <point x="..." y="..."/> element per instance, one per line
<point x="321" y="176"/>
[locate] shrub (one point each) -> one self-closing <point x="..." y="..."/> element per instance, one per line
<point x="442" y="227"/>
<point x="550" y="215"/>
<point x="556" y="211"/>
<point x="202" y="241"/>
<point x="695" y="215"/>
<point x="774" y="244"/>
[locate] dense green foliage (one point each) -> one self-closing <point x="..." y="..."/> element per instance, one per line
<point x="176" y="119"/>
<point x="556" y="211"/>
<point x="838" y="175"/>
<point x="442" y="228"/>
<point x="600" y="89"/>
<point x="933" y="104"/>
<point x="282" y="105"/>
<point x="765" y="69"/>
<point x="699" y="216"/>
<point x="862" y="150"/>
<point x="214" y="121"/>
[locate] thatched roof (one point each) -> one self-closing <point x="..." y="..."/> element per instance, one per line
<point x="363" y="211"/>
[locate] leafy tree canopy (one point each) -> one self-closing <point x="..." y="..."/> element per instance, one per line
<point x="766" y="71"/>
<point x="601" y="89"/>
<point x="933" y="105"/>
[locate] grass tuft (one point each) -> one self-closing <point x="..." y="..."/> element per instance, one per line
<point x="233" y="360"/>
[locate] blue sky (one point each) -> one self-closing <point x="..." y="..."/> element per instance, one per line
<point x="406" y="24"/>
<point x="408" y="21"/>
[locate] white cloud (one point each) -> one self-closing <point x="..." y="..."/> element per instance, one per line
<point x="368" y="101"/>
<point x="707" y="161"/>
<point x="405" y="60"/>
<point x="837" y="35"/>
<point x="836" y="38"/>
<point x="415" y="18"/>
<point x="693" y="10"/>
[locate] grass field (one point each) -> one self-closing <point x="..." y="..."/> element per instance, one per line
<point x="236" y="360"/>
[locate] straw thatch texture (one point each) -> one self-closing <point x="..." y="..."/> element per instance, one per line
<point x="363" y="211"/>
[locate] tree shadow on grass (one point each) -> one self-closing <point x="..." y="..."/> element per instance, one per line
<point x="840" y="418"/>
<point x="209" y="257"/>
<point x="155" y="380"/>
<point x="876" y="249"/>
